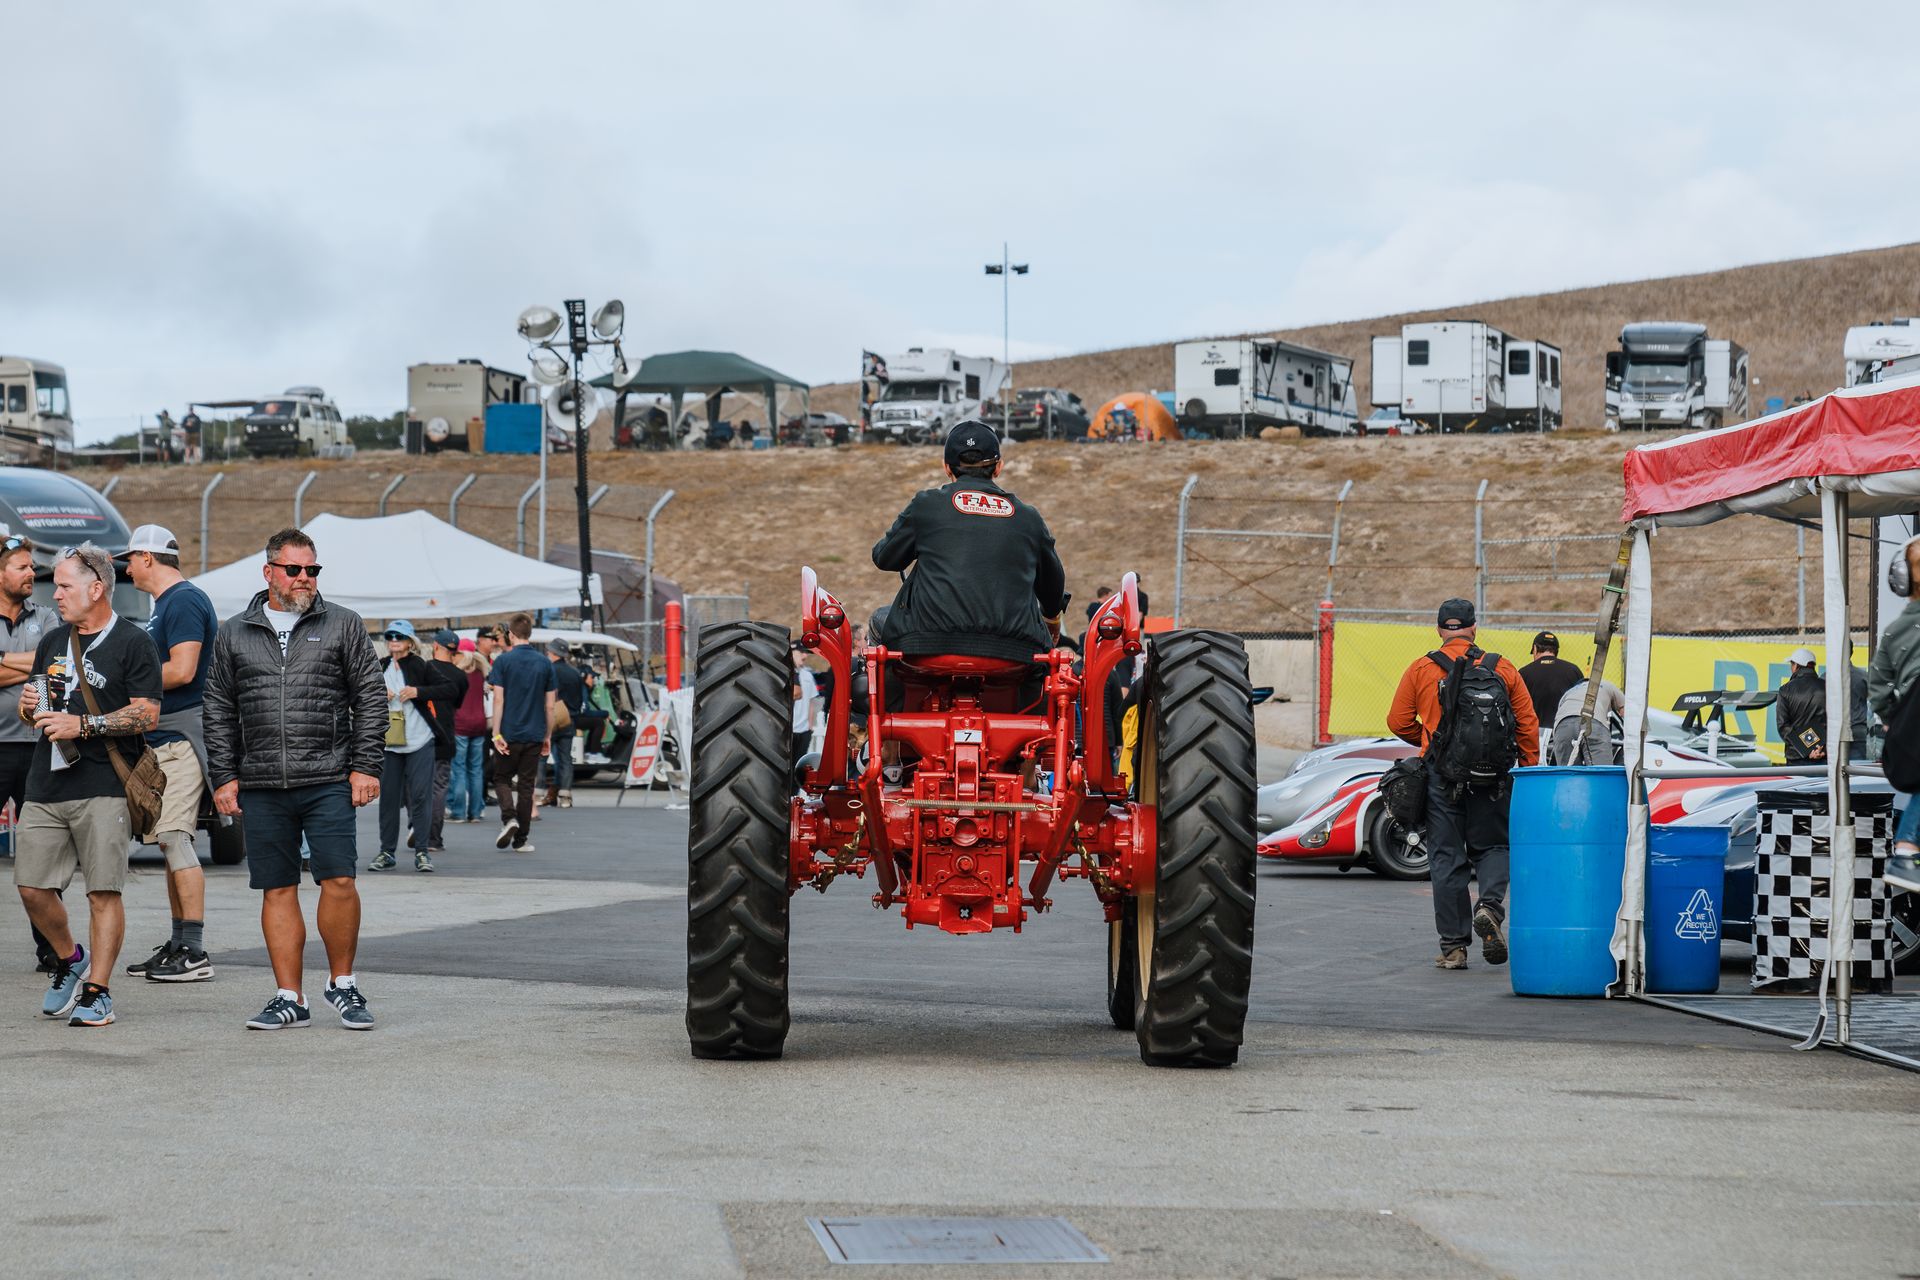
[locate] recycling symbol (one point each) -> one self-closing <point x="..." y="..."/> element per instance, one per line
<point x="1698" y="921"/>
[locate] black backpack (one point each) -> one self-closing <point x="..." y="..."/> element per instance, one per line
<point x="1474" y="745"/>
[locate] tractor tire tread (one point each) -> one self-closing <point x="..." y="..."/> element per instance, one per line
<point x="1195" y="1008"/>
<point x="737" y="847"/>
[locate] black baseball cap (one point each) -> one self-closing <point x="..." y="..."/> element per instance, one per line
<point x="972" y="442"/>
<point x="1455" y="614"/>
<point x="1548" y="641"/>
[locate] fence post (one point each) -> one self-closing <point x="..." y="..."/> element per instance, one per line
<point x="300" y="496"/>
<point x="453" y="503"/>
<point x="1333" y="549"/>
<point x="1323" y="686"/>
<point x="108" y="491"/>
<point x="1180" y="549"/>
<point x="1480" y="553"/>
<point x="388" y="491"/>
<point x="598" y="494"/>
<point x="520" y="517"/>
<point x="646" y="616"/>
<point x="206" y="498"/>
<point x="1800" y="574"/>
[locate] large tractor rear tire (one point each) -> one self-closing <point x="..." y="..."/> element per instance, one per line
<point x="737" y="848"/>
<point x="1195" y="926"/>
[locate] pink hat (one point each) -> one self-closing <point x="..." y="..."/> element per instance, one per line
<point x="467" y="646"/>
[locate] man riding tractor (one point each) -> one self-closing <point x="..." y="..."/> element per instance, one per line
<point x="1007" y="740"/>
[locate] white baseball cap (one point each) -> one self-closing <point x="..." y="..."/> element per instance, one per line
<point x="1801" y="658"/>
<point x="156" y="538"/>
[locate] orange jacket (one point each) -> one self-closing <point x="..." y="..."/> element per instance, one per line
<point x="1415" y="713"/>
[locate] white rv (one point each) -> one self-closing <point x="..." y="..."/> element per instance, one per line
<point x="928" y="389"/>
<point x="447" y="404"/>
<point x="1453" y="375"/>
<point x="1870" y="346"/>
<point x="36" y="421"/>
<point x="1236" y="385"/>
<point x="1669" y="374"/>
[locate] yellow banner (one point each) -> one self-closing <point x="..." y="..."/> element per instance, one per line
<point x="1369" y="657"/>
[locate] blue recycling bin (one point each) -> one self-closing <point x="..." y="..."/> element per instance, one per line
<point x="1686" y="874"/>
<point x="1567" y="834"/>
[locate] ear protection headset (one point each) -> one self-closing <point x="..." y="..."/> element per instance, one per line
<point x="1899" y="576"/>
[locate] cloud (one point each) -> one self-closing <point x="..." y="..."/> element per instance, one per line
<point x="226" y="202"/>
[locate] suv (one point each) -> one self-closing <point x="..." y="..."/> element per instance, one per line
<point x="1045" y="413"/>
<point x="302" y="423"/>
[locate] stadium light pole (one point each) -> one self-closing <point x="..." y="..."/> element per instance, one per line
<point x="1006" y="269"/>
<point x="552" y="338"/>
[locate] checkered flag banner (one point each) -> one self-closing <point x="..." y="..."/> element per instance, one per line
<point x="1793" y="893"/>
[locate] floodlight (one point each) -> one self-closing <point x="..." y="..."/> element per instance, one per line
<point x="549" y="370"/>
<point x="610" y="319"/>
<point x="538" y="323"/>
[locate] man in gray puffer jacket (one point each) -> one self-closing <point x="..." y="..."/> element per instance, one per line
<point x="295" y="717"/>
<point x="1891" y="677"/>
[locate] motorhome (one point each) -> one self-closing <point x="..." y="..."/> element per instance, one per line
<point x="1671" y="374"/>
<point x="302" y="423"/>
<point x="447" y="403"/>
<point x="1233" y="386"/>
<point x="36" y="420"/>
<point x="927" y="390"/>
<point x="1869" y="346"/>
<point x="1462" y="375"/>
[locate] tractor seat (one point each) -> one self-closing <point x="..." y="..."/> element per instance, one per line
<point x="949" y="665"/>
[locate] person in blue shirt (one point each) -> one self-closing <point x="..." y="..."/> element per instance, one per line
<point x="183" y="627"/>
<point x="522" y="724"/>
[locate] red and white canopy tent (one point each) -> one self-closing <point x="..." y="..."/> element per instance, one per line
<point x="1852" y="454"/>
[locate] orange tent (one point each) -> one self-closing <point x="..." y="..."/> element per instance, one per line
<point x="1138" y="413"/>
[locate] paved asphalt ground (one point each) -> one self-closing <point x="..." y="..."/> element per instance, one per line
<point x="528" y="1106"/>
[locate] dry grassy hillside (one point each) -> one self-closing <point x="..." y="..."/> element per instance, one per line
<point x="1792" y="317"/>
<point x="750" y="520"/>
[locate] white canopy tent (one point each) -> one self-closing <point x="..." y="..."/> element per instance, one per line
<point x="412" y="565"/>
<point x="1852" y="454"/>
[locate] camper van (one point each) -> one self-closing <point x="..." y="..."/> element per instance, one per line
<point x="302" y="423"/>
<point x="447" y="404"/>
<point x="1462" y="375"/>
<point x="1234" y="386"/>
<point x="928" y="389"/>
<point x="1870" y="346"/>
<point x="1670" y="374"/>
<point x="36" y="421"/>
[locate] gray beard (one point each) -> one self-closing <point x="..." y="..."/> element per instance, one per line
<point x="288" y="606"/>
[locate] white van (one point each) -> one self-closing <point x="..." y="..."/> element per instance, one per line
<point x="302" y="423"/>
<point x="36" y="420"/>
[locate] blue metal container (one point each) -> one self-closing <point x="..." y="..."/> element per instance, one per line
<point x="514" y="428"/>
<point x="1686" y="875"/>
<point x="1568" y="842"/>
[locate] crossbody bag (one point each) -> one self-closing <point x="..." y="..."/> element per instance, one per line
<point x="144" y="781"/>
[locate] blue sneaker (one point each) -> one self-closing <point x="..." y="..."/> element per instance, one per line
<point x="64" y="991"/>
<point x="95" y="1008"/>
<point x="279" y="1014"/>
<point x="351" y="1004"/>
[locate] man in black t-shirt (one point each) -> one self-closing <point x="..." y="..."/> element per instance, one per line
<point x="1548" y="678"/>
<point x="75" y="818"/>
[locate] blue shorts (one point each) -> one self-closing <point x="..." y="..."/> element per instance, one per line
<point x="275" y="822"/>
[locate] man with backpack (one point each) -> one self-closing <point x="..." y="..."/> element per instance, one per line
<point x="1473" y="720"/>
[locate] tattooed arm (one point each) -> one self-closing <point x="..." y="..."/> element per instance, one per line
<point x="136" y="717"/>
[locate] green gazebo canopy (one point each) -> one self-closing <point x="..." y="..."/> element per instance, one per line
<point x="707" y="374"/>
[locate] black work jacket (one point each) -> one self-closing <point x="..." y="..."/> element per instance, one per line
<point x="1800" y="711"/>
<point x="985" y="574"/>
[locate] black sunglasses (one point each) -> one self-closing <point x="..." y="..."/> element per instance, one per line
<point x="295" y="570"/>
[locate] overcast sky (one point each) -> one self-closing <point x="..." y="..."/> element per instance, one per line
<point x="222" y="200"/>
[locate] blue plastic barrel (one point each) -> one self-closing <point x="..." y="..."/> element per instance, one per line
<point x="1567" y="832"/>
<point x="1686" y="872"/>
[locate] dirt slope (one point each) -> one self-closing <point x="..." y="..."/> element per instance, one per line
<point x="1792" y="316"/>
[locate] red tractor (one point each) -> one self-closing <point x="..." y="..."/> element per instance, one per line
<point x="981" y="781"/>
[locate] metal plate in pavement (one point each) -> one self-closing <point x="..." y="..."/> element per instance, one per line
<point x="952" y="1240"/>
